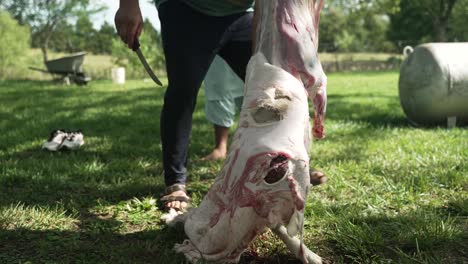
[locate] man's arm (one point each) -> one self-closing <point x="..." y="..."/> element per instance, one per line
<point x="128" y="21"/>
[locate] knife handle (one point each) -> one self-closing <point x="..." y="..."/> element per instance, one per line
<point x="136" y="44"/>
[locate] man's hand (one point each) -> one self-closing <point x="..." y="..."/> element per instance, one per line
<point x="128" y="21"/>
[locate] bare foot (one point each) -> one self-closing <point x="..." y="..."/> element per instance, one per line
<point x="178" y="205"/>
<point x="317" y="177"/>
<point x="216" y="154"/>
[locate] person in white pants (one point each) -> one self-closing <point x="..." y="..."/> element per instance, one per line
<point x="224" y="92"/>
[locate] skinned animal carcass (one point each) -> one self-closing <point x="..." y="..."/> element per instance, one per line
<point x="265" y="179"/>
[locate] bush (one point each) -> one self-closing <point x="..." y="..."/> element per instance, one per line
<point x="13" y="47"/>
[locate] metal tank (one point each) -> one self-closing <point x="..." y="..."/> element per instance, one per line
<point x="433" y="84"/>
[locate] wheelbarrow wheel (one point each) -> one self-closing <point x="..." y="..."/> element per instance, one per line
<point x="81" y="79"/>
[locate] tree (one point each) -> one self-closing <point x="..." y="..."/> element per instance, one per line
<point x="62" y="39"/>
<point x="105" y="37"/>
<point x="355" y="25"/>
<point x="14" y="44"/>
<point x="409" y="26"/>
<point x="428" y="20"/>
<point x="44" y="16"/>
<point x="458" y="31"/>
<point x="332" y="21"/>
<point x="84" y="37"/>
<point x="441" y="14"/>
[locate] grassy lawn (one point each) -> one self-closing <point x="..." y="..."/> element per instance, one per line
<point x="396" y="194"/>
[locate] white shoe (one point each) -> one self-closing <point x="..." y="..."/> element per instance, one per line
<point x="56" y="138"/>
<point x="73" y="140"/>
<point x="60" y="138"/>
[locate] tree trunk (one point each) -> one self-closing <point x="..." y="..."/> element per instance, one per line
<point x="44" y="52"/>
<point x="440" y="28"/>
<point x="46" y="36"/>
<point x="442" y="20"/>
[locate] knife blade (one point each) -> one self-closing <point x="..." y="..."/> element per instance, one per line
<point x="137" y="50"/>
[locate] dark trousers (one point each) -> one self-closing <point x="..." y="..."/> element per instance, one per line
<point x="190" y="41"/>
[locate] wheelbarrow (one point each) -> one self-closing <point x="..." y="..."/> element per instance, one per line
<point x="69" y="68"/>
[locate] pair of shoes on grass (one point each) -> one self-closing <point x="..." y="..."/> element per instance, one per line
<point x="62" y="139"/>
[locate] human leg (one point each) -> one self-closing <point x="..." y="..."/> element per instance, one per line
<point x="222" y="87"/>
<point x="221" y="114"/>
<point x="189" y="40"/>
<point x="221" y="140"/>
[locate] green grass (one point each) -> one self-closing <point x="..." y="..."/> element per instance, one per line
<point x="396" y="194"/>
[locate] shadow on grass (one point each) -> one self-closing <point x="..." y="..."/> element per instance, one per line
<point x="385" y="112"/>
<point x="425" y="235"/>
<point x="151" y="246"/>
<point x="120" y="159"/>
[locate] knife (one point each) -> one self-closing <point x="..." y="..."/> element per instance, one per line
<point x="137" y="50"/>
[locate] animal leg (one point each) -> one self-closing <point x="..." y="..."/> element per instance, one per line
<point x="189" y="250"/>
<point x="173" y="217"/>
<point x="296" y="246"/>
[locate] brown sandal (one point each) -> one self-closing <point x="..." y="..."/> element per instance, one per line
<point x="169" y="197"/>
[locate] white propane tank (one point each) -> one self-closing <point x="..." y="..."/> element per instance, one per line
<point x="433" y="84"/>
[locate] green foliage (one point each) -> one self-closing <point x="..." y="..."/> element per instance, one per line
<point x="353" y="28"/>
<point x="151" y="47"/>
<point x="346" y="42"/>
<point x="45" y="16"/>
<point x="410" y="25"/>
<point x="14" y="45"/>
<point x="83" y="33"/>
<point x="332" y="22"/>
<point x="389" y="25"/>
<point x="421" y="21"/>
<point x="61" y="40"/>
<point x="82" y="36"/>
<point x="104" y="38"/>
<point x="458" y="31"/>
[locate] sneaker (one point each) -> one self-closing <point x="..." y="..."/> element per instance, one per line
<point x="56" y="138"/>
<point x="73" y="140"/>
<point x="61" y="139"/>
